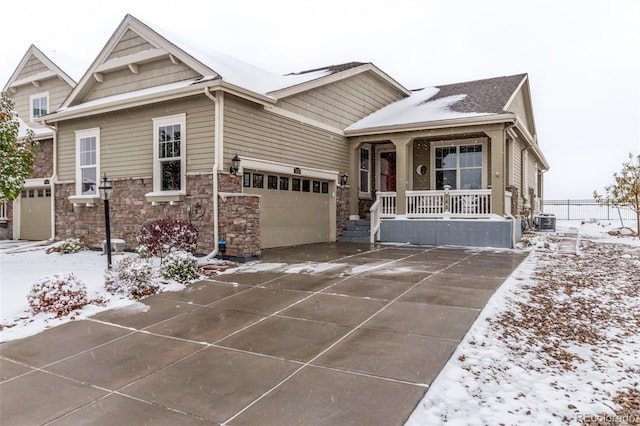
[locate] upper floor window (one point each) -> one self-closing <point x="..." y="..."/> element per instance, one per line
<point x="39" y="105"/>
<point x="169" y="153"/>
<point x="365" y="171"/>
<point x="87" y="161"/>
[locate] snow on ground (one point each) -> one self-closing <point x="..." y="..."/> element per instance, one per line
<point x="559" y="342"/>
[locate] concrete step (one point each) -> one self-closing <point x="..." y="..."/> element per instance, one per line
<point x="358" y="225"/>
<point x="356" y="233"/>
<point x="362" y="240"/>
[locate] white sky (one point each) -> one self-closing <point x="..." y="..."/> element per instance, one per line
<point x="582" y="57"/>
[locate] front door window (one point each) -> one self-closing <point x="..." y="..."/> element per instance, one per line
<point x="388" y="171"/>
<point x="460" y="167"/>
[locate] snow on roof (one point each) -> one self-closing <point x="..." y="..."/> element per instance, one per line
<point x="136" y="94"/>
<point x="236" y="71"/>
<point x="72" y="66"/>
<point x="417" y="108"/>
<point x="38" y="131"/>
<point x="448" y="102"/>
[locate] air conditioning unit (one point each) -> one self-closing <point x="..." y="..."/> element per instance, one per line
<point x="546" y="222"/>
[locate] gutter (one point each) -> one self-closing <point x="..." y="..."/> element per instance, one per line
<point x="460" y="122"/>
<point x="217" y="152"/>
<point x="52" y="181"/>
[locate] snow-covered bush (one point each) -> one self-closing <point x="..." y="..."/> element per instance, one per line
<point x="70" y="245"/>
<point x="162" y="236"/>
<point x="58" y="294"/>
<point x="132" y="276"/>
<point x="180" y="266"/>
<point x="143" y="251"/>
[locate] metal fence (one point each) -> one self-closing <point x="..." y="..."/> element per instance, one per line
<point x="585" y="210"/>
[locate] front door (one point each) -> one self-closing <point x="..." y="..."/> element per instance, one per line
<point x="387" y="171"/>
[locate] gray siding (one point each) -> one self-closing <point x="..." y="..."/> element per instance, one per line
<point x="129" y="44"/>
<point x="32" y="67"/>
<point x="519" y="105"/>
<point x="58" y="89"/>
<point x="126" y="138"/>
<point x="344" y="102"/>
<point x="151" y="74"/>
<point x="253" y="132"/>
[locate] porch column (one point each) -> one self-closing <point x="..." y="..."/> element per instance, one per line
<point x="498" y="170"/>
<point x="354" y="177"/>
<point x="402" y="172"/>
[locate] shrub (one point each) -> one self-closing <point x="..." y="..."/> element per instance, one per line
<point x="70" y="245"/>
<point x="143" y="251"/>
<point x="162" y="236"/>
<point x="180" y="266"/>
<point x="58" y="294"/>
<point x="132" y="276"/>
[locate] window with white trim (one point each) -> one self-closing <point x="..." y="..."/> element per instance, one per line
<point x="169" y="153"/>
<point x="39" y="105"/>
<point x="87" y="161"/>
<point x="459" y="166"/>
<point x="365" y="171"/>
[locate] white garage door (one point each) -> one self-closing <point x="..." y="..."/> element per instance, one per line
<point x="293" y="209"/>
<point x="35" y="214"/>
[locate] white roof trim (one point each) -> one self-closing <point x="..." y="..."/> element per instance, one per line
<point x="458" y="122"/>
<point x="54" y="70"/>
<point x="515" y="93"/>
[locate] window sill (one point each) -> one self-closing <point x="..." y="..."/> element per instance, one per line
<point x="160" y="197"/>
<point x="87" y="200"/>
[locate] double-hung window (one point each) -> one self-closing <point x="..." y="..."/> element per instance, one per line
<point x="365" y="171"/>
<point x="87" y="161"/>
<point x="39" y="105"/>
<point x="169" y="153"/>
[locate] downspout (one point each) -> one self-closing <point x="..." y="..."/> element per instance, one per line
<point x="217" y="151"/>
<point x="52" y="181"/>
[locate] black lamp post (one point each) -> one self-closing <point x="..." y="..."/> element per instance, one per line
<point x="106" y="191"/>
<point x="343" y="179"/>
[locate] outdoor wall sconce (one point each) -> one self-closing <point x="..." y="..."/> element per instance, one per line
<point x="235" y="165"/>
<point x="222" y="246"/>
<point x="106" y="191"/>
<point x="344" y="178"/>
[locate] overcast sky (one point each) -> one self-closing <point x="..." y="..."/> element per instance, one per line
<point x="582" y="57"/>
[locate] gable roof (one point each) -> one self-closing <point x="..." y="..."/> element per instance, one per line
<point x="215" y="68"/>
<point x="60" y="65"/>
<point x="476" y="99"/>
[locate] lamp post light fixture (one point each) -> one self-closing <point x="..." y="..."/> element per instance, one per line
<point x="344" y="178"/>
<point x="106" y="191"/>
<point x="235" y="165"/>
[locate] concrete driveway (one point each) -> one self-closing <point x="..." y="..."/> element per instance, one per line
<point x="356" y="343"/>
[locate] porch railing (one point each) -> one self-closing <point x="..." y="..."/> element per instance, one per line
<point x="454" y="203"/>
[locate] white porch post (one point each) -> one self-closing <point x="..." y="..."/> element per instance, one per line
<point x="402" y="172"/>
<point x="498" y="170"/>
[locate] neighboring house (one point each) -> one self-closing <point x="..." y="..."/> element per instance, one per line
<point x="163" y="119"/>
<point x="39" y="84"/>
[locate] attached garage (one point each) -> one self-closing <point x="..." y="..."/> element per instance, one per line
<point x="35" y="214"/>
<point x="293" y="209"/>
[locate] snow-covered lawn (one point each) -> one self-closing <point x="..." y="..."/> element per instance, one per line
<point x="559" y="342"/>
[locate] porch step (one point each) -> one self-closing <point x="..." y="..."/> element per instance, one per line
<point x="357" y="231"/>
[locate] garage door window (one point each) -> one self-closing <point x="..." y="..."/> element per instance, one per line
<point x="272" y="182"/>
<point x="246" y="180"/>
<point x="284" y="183"/>
<point x="306" y="185"/>
<point x="325" y="187"/>
<point x="258" y="180"/>
<point x="295" y="184"/>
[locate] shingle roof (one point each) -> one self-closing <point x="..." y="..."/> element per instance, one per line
<point x="444" y="103"/>
<point x="488" y="96"/>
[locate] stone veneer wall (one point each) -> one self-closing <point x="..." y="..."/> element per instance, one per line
<point x="342" y="209"/>
<point x="129" y="210"/>
<point x="43" y="164"/>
